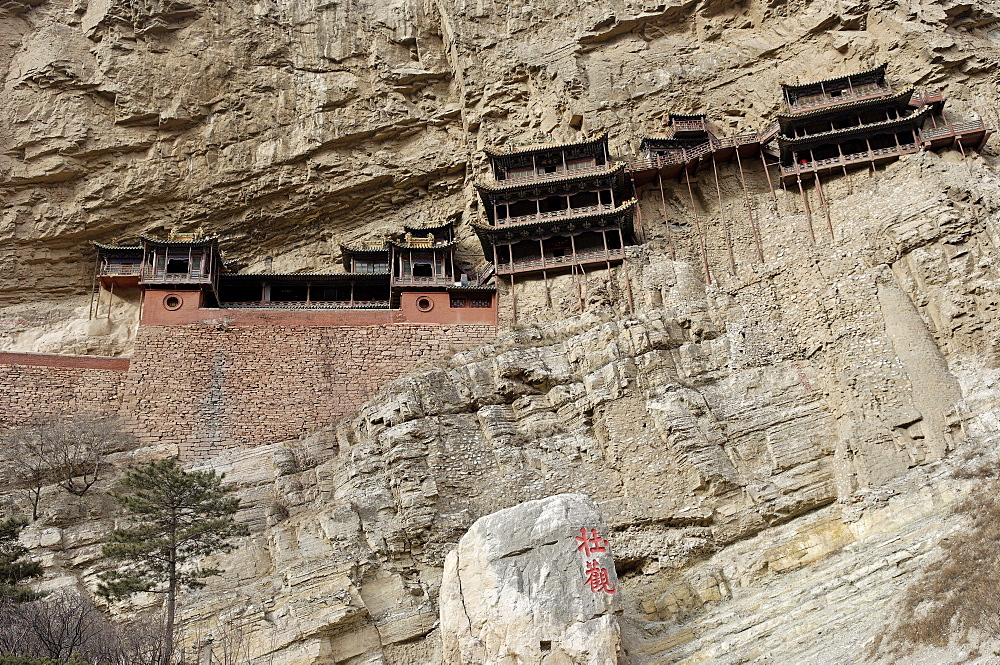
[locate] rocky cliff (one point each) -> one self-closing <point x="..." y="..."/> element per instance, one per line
<point x="771" y="452"/>
<point x="290" y="127"/>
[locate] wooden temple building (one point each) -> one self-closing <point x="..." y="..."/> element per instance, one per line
<point x="555" y="207"/>
<point x="184" y="262"/>
<point x="859" y="120"/>
<point x="564" y="207"/>
<point x="409" y="272"/>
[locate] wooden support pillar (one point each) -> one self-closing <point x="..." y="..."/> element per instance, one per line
<point x="541" y="251"/>
<point x="628" y="286"/>
<point x="697" y="226"/>
<point x="579" y="293"/>
<point x="763" y="160"/>
<point x="746" y="198"/>
<point x="513" y="296"/>
<point x="640" y="230"/>
<point x="843" y="165"/>
<point x="722" y="213"/>
<point x="871" y="155"/>
<point x="805" y="202"/>
<point x="263" y="292"/>
<point x="308" y="293"/>
<point x="352" y="295"/>
<point x="111" y="299"/>
<point x="548" y="295"/>
<point x="666" y="219"/>
<point x="823" y="202"/>
<point x="93" y="286"/>
<point x="964" y="157"/>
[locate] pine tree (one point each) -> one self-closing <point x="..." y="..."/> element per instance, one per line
<point x="178" y="516"/>
<point x="14" y="570"/>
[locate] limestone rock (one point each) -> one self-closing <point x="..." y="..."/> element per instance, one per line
<point x="516" y="588"/>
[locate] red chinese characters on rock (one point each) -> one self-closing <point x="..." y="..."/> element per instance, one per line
<point x="590" y="544"/>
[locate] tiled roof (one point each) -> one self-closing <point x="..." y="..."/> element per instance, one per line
<point x="179" y="243"/>
<point x="505" y="151"/>
<point x="790" y="141"/>
<point x="878" y="69"/>
<point x="436" y="245"/>
<point x="528" y="183"/>
<point x="101" y="245"/>
<point x="364" y="249"/>
<point x="901" y="96"/>
<point x="486" y="228"/>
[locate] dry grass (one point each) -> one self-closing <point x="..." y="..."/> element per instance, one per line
<point x="958" y="595"/>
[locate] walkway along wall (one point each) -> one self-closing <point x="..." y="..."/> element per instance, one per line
<point x="211" y="386"/>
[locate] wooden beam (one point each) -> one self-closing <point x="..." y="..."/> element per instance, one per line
<point x="746" y="197"/>
<point x="823" y="202"/>
<point x="697" y="226"/>
<point x="805" y="202"/>
<point x="722" y="214"/>
<point x="666" y="219"/>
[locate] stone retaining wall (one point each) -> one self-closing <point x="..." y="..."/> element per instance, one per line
<point x="208" y="387"/>
<point x="36" y="385"/>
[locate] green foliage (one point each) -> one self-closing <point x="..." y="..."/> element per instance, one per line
<point x="14" y="570"/>
<point x="177" y="516"/>
<point x="26" y="660"/>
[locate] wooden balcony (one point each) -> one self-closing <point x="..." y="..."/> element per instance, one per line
<point x="151" y="276"/>
<point x="561" y="173"/>
<point x="925" y="97"/>
<point x="878" y="156"/>
<point x="559" y="262"/>
<point x="555" y="214"/>
<point x="120" y="270"/>
<point x="970" y="133"/>
<point x="313" y="304"/>
<point x="435" y="281"/>
<point x="856" y="95"/>
<point x="686" y="127"/>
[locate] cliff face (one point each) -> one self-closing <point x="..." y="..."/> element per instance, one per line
<point x="289" y="127"/>
<point x="770" y="452"/>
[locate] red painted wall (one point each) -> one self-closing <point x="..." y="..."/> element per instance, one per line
<point x="155" y="312"/>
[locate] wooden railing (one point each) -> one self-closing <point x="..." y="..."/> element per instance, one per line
<point x="686" y="126"/>
<point x="860" y="93"/>
<point x="116" y="269"/>
<point x="148" y="274"/>
<point x="313" y="304"/>
<point x="852" y="158"/>
<point x="579" y="257"/>
<point x="436" y="280"/>
<point x="924" y="97"/>
<point x="561" y="173"/>
<point x="483" y="272"/>
<point x="953" y="129"/>
<point x="554" y="214"/>
<point x="769" y="132"/>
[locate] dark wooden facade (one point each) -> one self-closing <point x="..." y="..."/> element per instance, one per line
<point x="859" y="120"/>
<point x="555" y="206"/>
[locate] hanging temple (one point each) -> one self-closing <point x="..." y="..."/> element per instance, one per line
<point x="549" y="208"/>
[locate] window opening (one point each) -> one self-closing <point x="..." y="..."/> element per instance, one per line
<point x="177" y="266"/>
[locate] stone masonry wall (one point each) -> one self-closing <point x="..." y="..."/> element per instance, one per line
<point x="64" y="384"/>
<point x="207" y="387"/>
